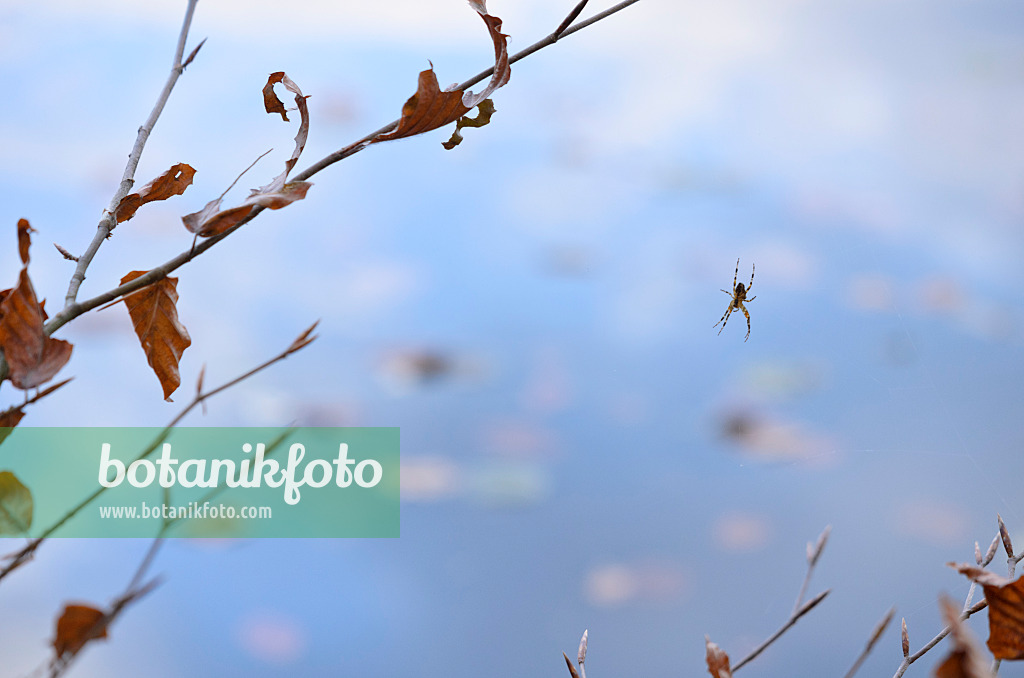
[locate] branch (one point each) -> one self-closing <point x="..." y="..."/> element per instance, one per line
<point x="74" y="309"/>
<point x="799" y="610"/>
<point x="21" y="557"/>
<point x="357" y="146"/>
<point x="983" y="561"/>
<point x="109" y="221"/>
<point x="875" y="635"/>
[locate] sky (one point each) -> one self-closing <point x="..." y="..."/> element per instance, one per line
<point x="587" y="451"/>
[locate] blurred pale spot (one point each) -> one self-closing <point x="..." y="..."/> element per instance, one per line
<point x="549" y="385"/>
<point x="508" y="485"/>
<point x="785" y="379"/>
<point x="519" y="438"/>
<point x="742" y="532"/>
<point x="776" y="440"/>
<point x="429" y="478"/>
<point x="272" y="638"/>
<point x="934" y="521"/>
<point x="870" y="292"/>
<point x="621" y="583"/>
<point x="941" y="295"/>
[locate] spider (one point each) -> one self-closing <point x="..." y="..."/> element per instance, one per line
<point x="739" y="295"/>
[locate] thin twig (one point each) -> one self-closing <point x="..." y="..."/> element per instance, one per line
<point x="569" y="19"/>
<point x="76" y="309"/>
<point x="814" y="552"/>
<point x="357" y="146"/>
<point x="875" y="635"/>
<point x="109" y="221"/>
<point x="907" y="661"/>
<point x="808" y="606"/>
<point x="26" y="553"/>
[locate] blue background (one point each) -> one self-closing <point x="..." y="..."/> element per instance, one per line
<point x="583" y="449"/>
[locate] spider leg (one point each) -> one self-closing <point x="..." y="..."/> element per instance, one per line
<point x="725" y="318"/>
<point x="736" y="273"/>
<point x="727" y="292"/>
<point x="744" y="309"/>
<point x="751" y="277"/>
<point x="751" y="298"/>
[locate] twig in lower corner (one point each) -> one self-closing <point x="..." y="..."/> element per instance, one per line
<point x="875" y="635"/>
<point x="800" y="609"/>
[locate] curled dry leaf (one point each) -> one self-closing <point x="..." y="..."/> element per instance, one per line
<point x="581" y="654"/>
<point x="965" y="659"/>
<point x="78" y="624"/>
<point x="172" y="182"/>
<point x="1005" y="611"/>
<point x="210" y="221"/>
<point x="718" y="660"/>
<point x="430" y="107"/>
<point x="24" y="240"/>
<point x="484" y="112"/>
<point x="32" y="356"/>
<point x="15" y="505"/>
<point x="154" y="314"/>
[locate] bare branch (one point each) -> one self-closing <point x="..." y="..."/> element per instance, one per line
<point x="569" y="19"/>
<point x="907" y="661"/>
<point x="799" y="610"/>
<point x="875" y="635"/>
<point x="20" y="557"/>
<point x="74" y="309"/>
<point x="808" y="606"/>
<point x="108" y="221"/>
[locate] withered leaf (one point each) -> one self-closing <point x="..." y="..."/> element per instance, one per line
<point x="15" y="505"/>
<point x="78" y="624"/>
<point x="965" y="659"/>
<point x="1005" y="611"/>
<point x="24" y="239"/>
<point x="154" y="314"/>
<point x="9" y="418"/>
<point x="718" y="660"/>
<point x="172" y="182"/>
<point x="32" y="356"/>
<point x="208" y="222"/>
<point x="430" y="107"/>
<point x="485" y="110"/>
<point x="279" y="192"/>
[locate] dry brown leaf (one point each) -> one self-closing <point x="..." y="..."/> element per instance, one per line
<point x="24" y="239"/>
<point x="154" y="314"/>
<point x="718" y="660"/>
<point x="1005" y="611"/>
<point x="279" y="193"/>
<point x="172" y="182"/>
<point x="32" y="356"/>
<point x="9" y="418"/>
<point x="431" y="107"/>
<point x="78" y="624"/>
<point x="208" y="222"/>
<point x="965" y="659"/>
